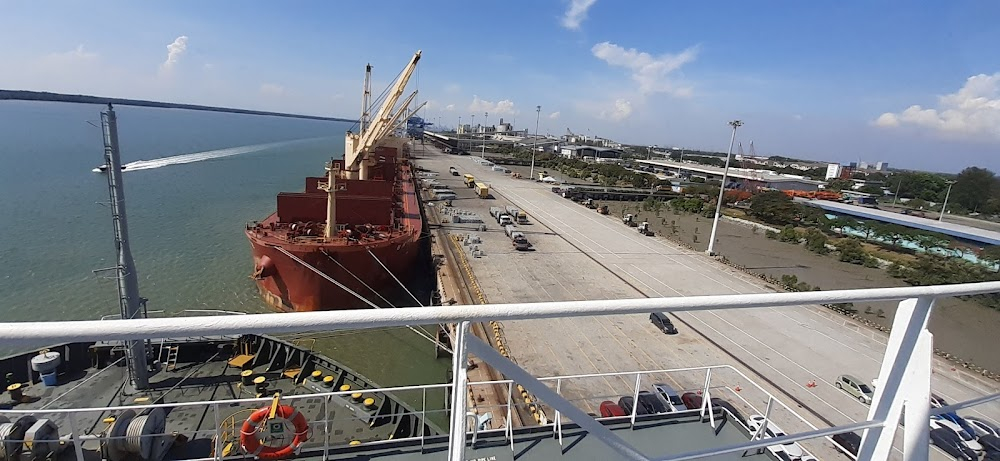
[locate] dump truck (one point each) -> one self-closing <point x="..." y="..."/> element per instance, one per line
<point x="644" y="229"/>
<point x="603" y="209"/>
<point x="629" y="220"/>
<point x="482" y="190"/>
<point x="470" y="181"/>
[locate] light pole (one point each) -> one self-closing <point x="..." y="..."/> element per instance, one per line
<point x="945" y="204"/>
<point x="534" y="143"/>
<point x="722" y="190"/>
<point x="895" y="196"/>
<point x="486" y="120"/>
<point x="458" y="132"/>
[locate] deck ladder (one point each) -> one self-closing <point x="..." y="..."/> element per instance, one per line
<point x="172" y="353"/>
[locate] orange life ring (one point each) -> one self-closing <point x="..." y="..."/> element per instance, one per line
<point x="252" y="430"/>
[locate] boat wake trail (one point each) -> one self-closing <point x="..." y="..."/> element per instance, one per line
<point x="206" y="155"/>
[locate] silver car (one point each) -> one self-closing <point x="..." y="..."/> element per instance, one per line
<point x="856" y="387"/>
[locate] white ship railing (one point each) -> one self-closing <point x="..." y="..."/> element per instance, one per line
<point x="909" y="353"/>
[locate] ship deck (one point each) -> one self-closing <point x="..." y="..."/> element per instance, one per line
<point x="197" y="392"/>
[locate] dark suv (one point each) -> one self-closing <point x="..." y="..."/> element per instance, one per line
<point x="663" y="323"/>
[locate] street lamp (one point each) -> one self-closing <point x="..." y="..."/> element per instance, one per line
<point x="945" y="204"/>
<point x="722" y="190"/>
<point x="534" y="142"/>
<point x="458" y="131"/>
<point x="487" y="120"/>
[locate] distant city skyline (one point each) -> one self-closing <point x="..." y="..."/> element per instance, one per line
<point x="826" y="82"/>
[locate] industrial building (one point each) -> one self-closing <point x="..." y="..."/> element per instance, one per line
<point x="596" y="153"/>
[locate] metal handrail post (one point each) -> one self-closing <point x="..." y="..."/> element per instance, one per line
<point x="460" y="368"/>
<point x="77" y="446"/>
<point x="635" y="400"/>
<point x="218" y="425"/>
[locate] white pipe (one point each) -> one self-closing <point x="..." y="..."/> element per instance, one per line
<point x="292" y="322"/>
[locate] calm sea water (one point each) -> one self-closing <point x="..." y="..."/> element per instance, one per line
<point x="186" y="216"/>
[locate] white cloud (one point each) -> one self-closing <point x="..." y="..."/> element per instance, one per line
<point x="648" y="71"/>
<point x="621" y="110"/>
<point x="77" y="53"/>
<point x="504" y="107"/>
<point x="174" y="52"/>
<point x="973" y="110"/>
<point x="576" y="13"/>
<point x="554" y="115"/>
<point x="449" y="107"/>
<point x="272" y="89"/>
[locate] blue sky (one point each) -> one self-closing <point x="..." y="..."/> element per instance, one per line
<point x="834" y="81"/>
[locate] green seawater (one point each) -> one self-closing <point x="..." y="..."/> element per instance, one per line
<point x="186" y="220"/>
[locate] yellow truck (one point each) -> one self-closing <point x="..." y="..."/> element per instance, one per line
<point x="470" y="181"/>
<point x="482" y="190"/>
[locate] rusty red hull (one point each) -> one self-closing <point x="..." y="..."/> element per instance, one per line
<point x="378" y="224"/>
<point x="289" y="285"/>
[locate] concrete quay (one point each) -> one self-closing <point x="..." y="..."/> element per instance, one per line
<point x="795" y="353"/>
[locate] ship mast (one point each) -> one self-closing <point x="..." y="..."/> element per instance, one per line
<point x="128" y="281"/>
<point x="366" y="98"/>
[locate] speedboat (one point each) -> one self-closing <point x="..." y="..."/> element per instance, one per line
<point x="103" y="168"/>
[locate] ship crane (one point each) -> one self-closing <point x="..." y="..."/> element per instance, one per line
<point x="358" y="146"/>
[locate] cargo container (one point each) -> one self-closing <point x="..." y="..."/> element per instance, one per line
<point x="496" y="211"/>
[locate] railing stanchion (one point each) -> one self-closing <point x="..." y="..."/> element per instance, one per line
<point x="423" y="418"/>
<point x="635" y="399"/>
<point x="558" y="423"/>
<point x="326" y="427"/>
<point x="510" y="413"/>
<point x="218" y="426"/>
<point x="459" y="394"/>
<point x="77" y="446"/>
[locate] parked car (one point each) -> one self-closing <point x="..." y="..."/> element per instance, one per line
<point x="856" y="388"/>
<point x="663" y="323"/>
<point x="983" y="427"/>
<point x="965" y="438"/>
<point x="951" y="443"/>
<point x="653" y="405"/>
<point x="669" y="397"/>
<point x="849" y="442"/>
<point x="793" y="449"/>
<point x="967" y="428"/>
<point x="691" y="400"/>
<point x="626" y="403"/>
<point x="609" y="409"/>
<point x="937" y="401"/>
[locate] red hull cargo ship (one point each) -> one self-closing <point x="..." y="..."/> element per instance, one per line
<point x="352" y="238"/>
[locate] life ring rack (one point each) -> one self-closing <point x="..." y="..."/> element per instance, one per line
<point x="263" y="434"/>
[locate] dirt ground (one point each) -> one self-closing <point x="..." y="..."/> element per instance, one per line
<point x="961" y="328"/>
